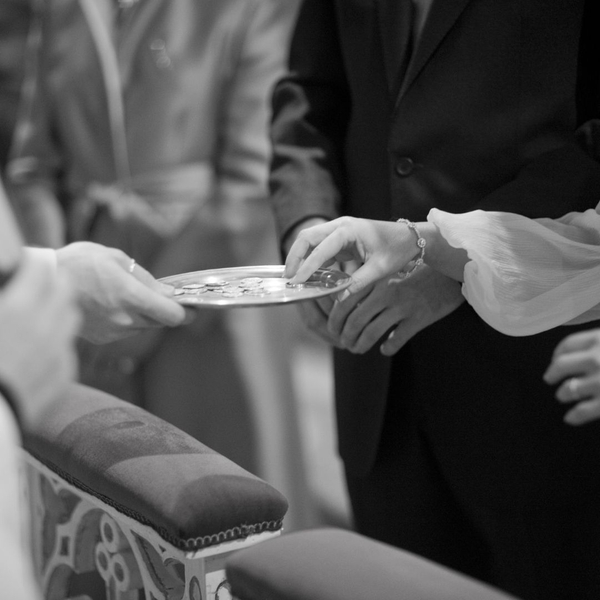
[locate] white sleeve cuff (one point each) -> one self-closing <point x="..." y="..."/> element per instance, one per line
<point x="43" y="255"/>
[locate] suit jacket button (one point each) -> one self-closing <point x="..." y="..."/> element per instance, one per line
<point x="405" y="166"/>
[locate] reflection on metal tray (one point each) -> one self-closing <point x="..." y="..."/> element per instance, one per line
<point x="252" y="286"/>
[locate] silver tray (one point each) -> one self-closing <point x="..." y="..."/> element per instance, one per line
<point x="251" y="286"/>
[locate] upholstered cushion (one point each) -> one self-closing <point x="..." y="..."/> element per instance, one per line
<point x="330" y="564"/>
<point x="153" y="472"/>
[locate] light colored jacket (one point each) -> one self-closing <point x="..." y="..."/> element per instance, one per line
<point x="195" y="79"/>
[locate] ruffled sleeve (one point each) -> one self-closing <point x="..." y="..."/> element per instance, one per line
<point x="525" y="276"/>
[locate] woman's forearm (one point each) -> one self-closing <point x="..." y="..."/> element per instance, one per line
<point x="440" y="255"/>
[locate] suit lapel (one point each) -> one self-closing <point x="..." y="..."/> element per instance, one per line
<point x="127" y="49"/>
<point x="395" y="21"/>
<point x="104" y="11"/>
<point x="442" y="16"/>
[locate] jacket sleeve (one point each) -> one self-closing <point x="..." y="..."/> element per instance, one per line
<point x="311" y="105"/>
<point x="552" y="184"/>
<point x="34" y="150"/>
<point x="35" y="157"/>
<point x="244" y="153"/>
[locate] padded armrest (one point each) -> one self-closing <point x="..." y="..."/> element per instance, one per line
<point x="153" y="472"/>
<point x="330" y="564"/>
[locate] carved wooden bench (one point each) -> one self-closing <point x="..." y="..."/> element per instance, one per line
<point x="127" y="507"/>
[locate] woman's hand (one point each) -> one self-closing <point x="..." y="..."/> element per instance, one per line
<point x="380" y="247"/>
<point x="576" y="362"/>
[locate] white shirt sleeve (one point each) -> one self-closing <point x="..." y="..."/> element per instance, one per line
<point x="16" y="567"/>
<point x="45" y="255"/>
<point x="525" y="275"/>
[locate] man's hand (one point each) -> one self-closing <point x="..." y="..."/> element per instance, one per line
<point x="576" y="362"/>
<point x="398" y="308"/>
<point x="38" y="321"/>
<point x="115" y="302"/>
<point x="315" y="314"/>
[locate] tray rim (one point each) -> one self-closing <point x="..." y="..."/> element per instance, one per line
<point x="250" y="302"/>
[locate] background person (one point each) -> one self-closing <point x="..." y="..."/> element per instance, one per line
<point x="15" y="17"/>
<point x="156" y="145"/>
<point x="38" y="321"/>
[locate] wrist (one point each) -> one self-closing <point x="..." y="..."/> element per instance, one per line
<point x="48" y="256"/>
<point x="441" y="256"/>
<point x="431" y="234"/>
<point x="417" y="248"/>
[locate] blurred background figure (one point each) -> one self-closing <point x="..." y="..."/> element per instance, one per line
<point x="38" y="322"/>
<point x="14" y="22"/>
<point x="143" y="126"/>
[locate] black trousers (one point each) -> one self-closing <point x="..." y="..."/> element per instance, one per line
<point x="477" y="471"/>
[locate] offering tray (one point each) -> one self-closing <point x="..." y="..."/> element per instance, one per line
<point x="251" y="286"/>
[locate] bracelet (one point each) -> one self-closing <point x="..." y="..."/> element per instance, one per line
<point x="421" y="243"/>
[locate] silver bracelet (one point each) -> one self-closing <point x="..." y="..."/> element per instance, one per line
<point x="421" y="243"/>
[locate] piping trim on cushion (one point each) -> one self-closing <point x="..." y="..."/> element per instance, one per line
<point x="188" y="544"/>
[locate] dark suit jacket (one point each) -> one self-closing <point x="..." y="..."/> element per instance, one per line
<point x="484" y="119"/>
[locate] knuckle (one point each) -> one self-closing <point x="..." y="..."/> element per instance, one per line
<point x="303" y="235"/>
<point x="350" y="344"/>
<point x="119" y="255"/>
<point x="346" y="221"/>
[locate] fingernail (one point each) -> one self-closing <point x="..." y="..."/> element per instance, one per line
<point x="343" y="295"/>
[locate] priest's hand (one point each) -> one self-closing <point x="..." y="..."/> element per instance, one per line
<point x="117" y="296"/>
<point x="39" y="319"/>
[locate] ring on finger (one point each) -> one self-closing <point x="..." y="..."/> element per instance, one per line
<point x="131" y="265"/>
<point x="572" y="387"/>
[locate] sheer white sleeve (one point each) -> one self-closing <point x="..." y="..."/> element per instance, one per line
<point x="525" y="276"/>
